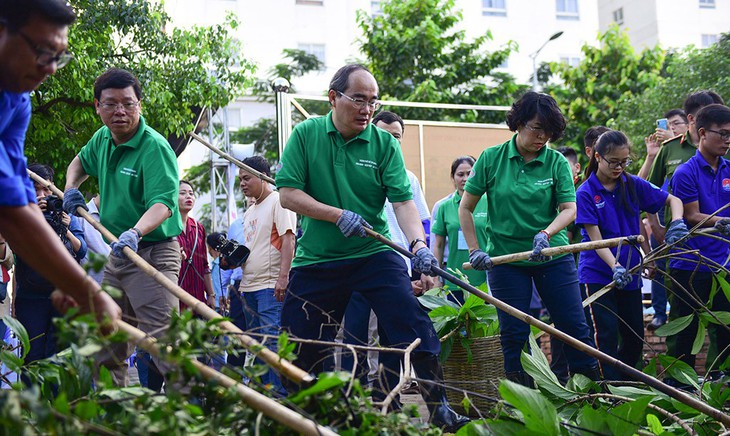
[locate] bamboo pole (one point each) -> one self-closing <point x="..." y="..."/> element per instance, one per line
<point x="556" y="251"/>
<point x="232" y="159"/>
<point x="274" y="410"/>
<point x="569" y="340"/>
<point x="286" y="368"/>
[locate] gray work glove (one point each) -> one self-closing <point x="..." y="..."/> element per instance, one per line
<point x="72" y="199"/>
<point x="127" y="239"/>
<point x="621" y="277"/>
<point x="539" y="242"/>
<point x="723" y="226"/>
<point x="423" y="262"/>
<point x="352" y="224"/>
<point x="480" y="261"/>
<point x="676" y="230"/>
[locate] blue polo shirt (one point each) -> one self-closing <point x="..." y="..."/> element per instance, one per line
<point x="604" y="208"/>
<point x="695" y="180"/>
<point x="16" y="188"/>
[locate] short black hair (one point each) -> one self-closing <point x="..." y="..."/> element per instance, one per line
<point x="460" y="160"/>
<point x="389" y="117"/>
<point x="43" y="170"/>
<point x="712" y="115"/>
<point x="259" y="163"/>
<point x="592" y="134"/>
<point x="697" y="100"/>
<point x="213" y="238"/>
<point x="542" y="106"/>
<point x="117" y="78"/>
<point x="185" y="182"/>
<point x="676" y="112"/>
<point x="341" y="78"/>
<point x="568" y="152"/>
<point x="15" y="13"/>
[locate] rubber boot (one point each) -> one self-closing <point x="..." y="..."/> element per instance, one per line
<point x="520" y="377"/>
<point x="431" y="385"/>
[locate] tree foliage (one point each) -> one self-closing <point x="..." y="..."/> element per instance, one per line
<point x="592" y="93"/>
<point x="180" y="70"/>
<point x="417" y="54"/>
<point x="685" y="72"/>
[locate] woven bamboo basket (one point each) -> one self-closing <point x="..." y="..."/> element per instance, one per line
<point x="481" y="375"/>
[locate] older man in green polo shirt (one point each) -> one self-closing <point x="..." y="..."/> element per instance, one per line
<point x="138" y="185"/>
<point x="337" y="172"/>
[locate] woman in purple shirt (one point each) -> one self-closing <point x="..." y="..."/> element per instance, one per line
<point x="609" y="205"/>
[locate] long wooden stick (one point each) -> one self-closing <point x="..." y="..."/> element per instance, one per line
<point x="285" y="367"/>
<point x="569" y="340"/>
<point x="274" y="410"/>
<point x="556" y="251"/>
<point x="232" y="159"/>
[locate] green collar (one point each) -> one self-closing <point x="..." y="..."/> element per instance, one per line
<point x="134" y="142"/>
<point x="513" y="153"/>
<point x="365" y="135"/>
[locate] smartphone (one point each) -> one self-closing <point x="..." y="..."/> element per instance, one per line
<point x="662" y="124"/>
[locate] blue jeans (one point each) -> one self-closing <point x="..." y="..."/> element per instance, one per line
<point x="238" y="318"/>
<point x="557" y="283"/>
<point x="659" y="286"/>
<point x="263" y="315"/>
<point x="36" y="315"/>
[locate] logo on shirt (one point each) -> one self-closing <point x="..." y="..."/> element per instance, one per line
<point x="726" y="185"/>
<point x="129" y="172"/>
<point x="367" y="164"/>
<point x="544" y="182"/>
<point x="600" y="203"/>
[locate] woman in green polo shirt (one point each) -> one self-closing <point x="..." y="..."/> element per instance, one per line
<point x="530" y="201"/>
<point x="446" y="226"/>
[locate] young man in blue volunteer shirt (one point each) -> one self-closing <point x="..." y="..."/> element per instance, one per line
<point x="337" y="171"/>
<point x="703" y="185"/>
<point x="33" y="42"/>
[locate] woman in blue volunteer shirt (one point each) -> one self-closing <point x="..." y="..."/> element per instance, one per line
<point x="609" y="206"/>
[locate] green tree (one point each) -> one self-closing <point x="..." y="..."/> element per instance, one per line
<point x="591" y="93"/>
<point x="416" y="53"/>
<point x="685" y="72"/>
<point x="180" y="70"/>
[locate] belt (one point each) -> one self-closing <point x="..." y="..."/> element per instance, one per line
<point x="148" y="244"/>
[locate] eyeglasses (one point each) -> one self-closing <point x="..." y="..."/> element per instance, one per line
<point x="724" y="135"/>
<point x="677" y="123"/>
<point x="360" y="104"/>
<point x="539" y="131"/>
<point x="45" y="57"/>
<point x="112" y="107"/>
<point x="614" y="164"/>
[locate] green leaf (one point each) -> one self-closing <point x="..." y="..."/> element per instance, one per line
<point x="654" y="424"/>
<point x="535" y="363"/>
<point x="20" y="332"/>
<point x="432" y="302"/>
<point x="678" y="370"/>
<point x="325" y="382"/>
<point x="593" y="420"/>
<point x="539" y="414"/>
<point x="699" y="338"/>
<point x="11" y="360"/>
<point x="674" y="326"/>
<point x="86" y="409"/>
<point x="61" y="403"/>
<point x="724" y="317"/>
<point x="628" y="417"/>
<point x="723" y="284"/>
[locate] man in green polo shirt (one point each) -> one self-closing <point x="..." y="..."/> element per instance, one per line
<point x="672" y="154"/>
<point x="138" y="183"/>
<point x="337" y="172"/>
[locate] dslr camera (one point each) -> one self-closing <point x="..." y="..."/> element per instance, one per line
<point x="54" y="214"/>
<point x="233" y="254"/>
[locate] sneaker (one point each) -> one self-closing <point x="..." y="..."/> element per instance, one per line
<point x="655" y="324"/>
<point x="411" y="389"/>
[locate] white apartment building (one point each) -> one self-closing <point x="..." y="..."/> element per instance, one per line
<point x="669" y="23"/>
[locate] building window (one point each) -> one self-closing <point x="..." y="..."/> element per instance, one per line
<point x="314" y="49"/>
<point x="572" y="61"/>
<point x="309" y="2"/>
<point x="618" y="16"/>
<point x="707" y="4"/>
<point x="708" y="40"/>
<point x="495" y="8"/>
<point x="567" y="9"/>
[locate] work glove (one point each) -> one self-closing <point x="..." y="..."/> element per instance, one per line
<point x="621" y="277"/>
<point x="480" y="261"/>
<point x="352" y="224"/>
<point x="424" y="261"/>
<point x="127" y="239"/>
<point x="72" y="199"/>
<point x="539" y="242"/>
<point x="676" y="230"/>
<point x="723" y="226"/>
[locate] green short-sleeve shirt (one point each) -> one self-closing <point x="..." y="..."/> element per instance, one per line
<point x="522" y="198"/>
<point x="132" y="177"/>
<point x="356" y="175"/>
<point x="673" y="153"/>
<point x="446" y="223"/>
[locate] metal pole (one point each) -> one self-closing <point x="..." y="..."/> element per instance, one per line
<point x="280" y="87"/>
<point x="554" y="36"/>
<point x="212" y="172"/>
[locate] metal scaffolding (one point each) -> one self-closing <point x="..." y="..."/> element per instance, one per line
<point x="222" y="173"/>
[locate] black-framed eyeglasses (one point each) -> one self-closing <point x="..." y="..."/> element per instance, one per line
<point x="45" y="57"/>
<point x="112" y="107"/>
<point x="360" y="104"/>
<point x="614" y="164"/>
<point x="724" y="135"/>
